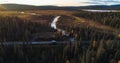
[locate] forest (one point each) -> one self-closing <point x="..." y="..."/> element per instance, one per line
<point x="91" y="44"/>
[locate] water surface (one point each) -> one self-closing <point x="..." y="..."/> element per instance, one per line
<point x="91" y="10"/>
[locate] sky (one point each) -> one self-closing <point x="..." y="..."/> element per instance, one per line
<point x="62" y="2"/>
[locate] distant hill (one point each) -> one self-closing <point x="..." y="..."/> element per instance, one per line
<point x="30" y="7"/>
<point x="103" y="7"/>
<point x="2" y="8"/>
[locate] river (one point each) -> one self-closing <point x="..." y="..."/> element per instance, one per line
<point x="91" y="10"/>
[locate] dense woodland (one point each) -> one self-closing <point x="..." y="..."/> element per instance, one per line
<point x="13" y="28"/>
<point x="95" y="52"/>
<point x="101" y="48"/>
<point x="107" y="18"/>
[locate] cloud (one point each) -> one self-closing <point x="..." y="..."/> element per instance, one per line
<point x="72" y="4"/>
<point x="63" y="2"/>
<point x="103" y="2"/>
<point x="92" y="2"/>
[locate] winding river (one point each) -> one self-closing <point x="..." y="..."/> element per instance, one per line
<point x="53" y="25"/>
